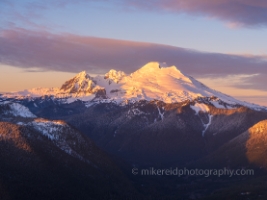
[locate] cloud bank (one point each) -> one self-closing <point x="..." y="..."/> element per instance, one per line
<point x="72" y="53"/>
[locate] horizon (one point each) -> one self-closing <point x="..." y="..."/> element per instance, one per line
<point x="45" y="44"/>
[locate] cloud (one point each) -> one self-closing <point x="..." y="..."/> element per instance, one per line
<point x="236" y="13"/>
<point x="260" y="100"/>
<point x="29" y="13"/>
<point x="72" y="53"/>
<point x="257" y="81"/>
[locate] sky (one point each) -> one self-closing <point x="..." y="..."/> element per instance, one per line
<point x="221" y="43"/>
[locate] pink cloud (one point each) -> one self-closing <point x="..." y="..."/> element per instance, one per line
<point x="73" y="53"/>
<point x="237" y="12"/>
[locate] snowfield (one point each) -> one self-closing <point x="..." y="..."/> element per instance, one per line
<point x="17" y="110"/>
<point x="200" y="107"/>
<point x="59" y="133"/>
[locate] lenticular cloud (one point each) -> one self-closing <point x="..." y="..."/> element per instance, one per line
<point x="73" y="53"/>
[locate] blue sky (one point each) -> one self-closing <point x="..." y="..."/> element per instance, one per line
<point x="110" y="20"/>
<point x="173" y="29"/>
<point x="41" y="37"/>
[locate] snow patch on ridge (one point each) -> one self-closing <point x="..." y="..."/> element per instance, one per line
<point x="20" y="110"/>
<point x="17" y="110"/>
<point x="200" y="107"/>
<point x="217" y="105"/>
<point x="58" y="132"/>
<point x="48" y="128"/>
<point x="207" y="125"/>
<point x="161" y="114"/>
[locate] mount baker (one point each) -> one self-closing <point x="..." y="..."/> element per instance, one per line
<point x="154" y="81"/>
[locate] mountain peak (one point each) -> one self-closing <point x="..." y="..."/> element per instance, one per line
<point x="114" y="75"/>
<point x="82" y="75"/>
<point x="81" y="83"/>
<point x="153" y="66"/>
<point x="157" y="67"/>
<point x="162" y="72"/>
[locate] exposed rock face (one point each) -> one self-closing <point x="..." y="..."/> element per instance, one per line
<point x="246" y="150"/>
<point x="256" y="145"/>
<point x="81" y="84"/>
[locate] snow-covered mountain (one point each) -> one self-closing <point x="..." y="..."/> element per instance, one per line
<point x="154" y="81"/>
<point x="156" y="116"/>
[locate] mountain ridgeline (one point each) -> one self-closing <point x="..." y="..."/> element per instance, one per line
<point x="154" y="117"/>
